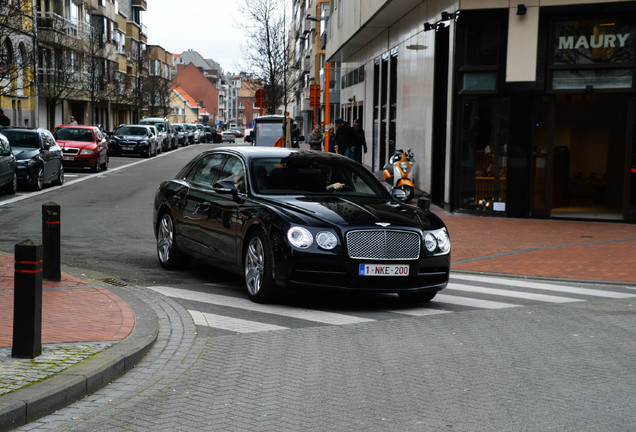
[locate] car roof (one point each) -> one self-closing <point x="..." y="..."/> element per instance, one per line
<point x="252" y="152"/>
<point x="75" y="126"/>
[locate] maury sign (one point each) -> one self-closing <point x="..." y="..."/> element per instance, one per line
<point x="593" y="41"/>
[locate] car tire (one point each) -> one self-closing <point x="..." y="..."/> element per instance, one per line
<point x="418" y="297"/>
<point x="59" y="181"/>
<point x="12" y="187"/>
<point x="257" y="269"/>
<point x="38" y="180"/>
<point x="169" y="254"/>
<point x="98" y="166"/>
<point x="106" y="162"/>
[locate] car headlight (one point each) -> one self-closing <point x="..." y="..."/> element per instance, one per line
<point x="87" y="152"/>
<point x="326" y="240"/>
<point x="300" y="237"/>
<point x="143" y="143"/>
<point x="437" y="242"/>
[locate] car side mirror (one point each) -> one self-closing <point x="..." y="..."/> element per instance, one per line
<point x="398" y="194"/>
<point x="226" y="187"/>
<point x="46" y="145"/>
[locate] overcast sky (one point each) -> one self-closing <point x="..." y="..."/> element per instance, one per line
<point x="207" y="26"/>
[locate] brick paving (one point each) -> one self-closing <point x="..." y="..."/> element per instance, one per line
<point x="579" y="250"/>
<point x="72" y="310"/>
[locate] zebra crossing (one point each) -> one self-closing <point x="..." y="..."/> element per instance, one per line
<point x="231" y="312"/>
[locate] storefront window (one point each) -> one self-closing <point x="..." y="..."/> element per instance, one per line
<point x="484" y="153"/>
<point x="593" y="54"/>
<point x="480" y="81"/>
<point x="588" y="79"/>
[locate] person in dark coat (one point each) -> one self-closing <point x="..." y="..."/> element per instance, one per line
<point x="4" y="120"/>
<point x="359" y="142"/>
<point x="344" y="138"/>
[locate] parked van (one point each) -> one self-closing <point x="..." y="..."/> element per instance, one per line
<point x="166" y="139"/>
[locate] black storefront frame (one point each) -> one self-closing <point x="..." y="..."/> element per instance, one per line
<point x="521" y="97"/>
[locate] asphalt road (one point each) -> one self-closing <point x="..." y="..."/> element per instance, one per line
<point x="487" y="354"/>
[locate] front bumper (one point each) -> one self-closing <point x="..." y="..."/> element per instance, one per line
<point x="335" y="271"/>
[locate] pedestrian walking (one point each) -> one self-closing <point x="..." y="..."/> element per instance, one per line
<point x="295" y="136"/>
<point x="4" y="120"/>
<point x="316" y="138"/>
<point x="344" y="138"/>
<point x="359" y="142"/>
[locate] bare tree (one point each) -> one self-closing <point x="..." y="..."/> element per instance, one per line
<point x="97" y="71"/>
<point x="158" y="92"/>
<point x="266" y="50"/>
<point x="16" y="45"/>
<point x="60" y="70"/>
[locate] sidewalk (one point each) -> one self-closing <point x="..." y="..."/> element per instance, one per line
<point x="101" y="332"/>
<point x="116" y="329"/>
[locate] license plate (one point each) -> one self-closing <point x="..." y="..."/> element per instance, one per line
<point x="127" y="148"/>
<point x="69" y="158"/>
<point x="384" y="270"/>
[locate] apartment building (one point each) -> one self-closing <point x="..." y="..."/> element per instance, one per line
<point x="517" y="109"/>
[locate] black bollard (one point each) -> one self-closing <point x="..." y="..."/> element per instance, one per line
<point x="51" y="240"/>
<point x="27" y="300"/>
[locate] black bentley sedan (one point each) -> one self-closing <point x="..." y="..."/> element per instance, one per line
<point x="304" y="219"/>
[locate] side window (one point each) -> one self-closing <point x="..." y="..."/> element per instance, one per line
<point x="234" y="171"/>
<point x="208" y="170"/>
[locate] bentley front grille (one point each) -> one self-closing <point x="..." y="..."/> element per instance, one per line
<point x="383" y="244"/>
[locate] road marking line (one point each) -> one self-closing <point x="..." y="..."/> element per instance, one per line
<point x="546" y="287"/>
<point x="510" y="293"/>
<point x="286" y="311"/>
<point x="419" y="311"/>
<point x="231" y="324"/>
<point x="472" y="302"/>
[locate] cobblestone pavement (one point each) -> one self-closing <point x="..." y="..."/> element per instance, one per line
<point x="18" y="373"/>
<point x="535" y="368"/>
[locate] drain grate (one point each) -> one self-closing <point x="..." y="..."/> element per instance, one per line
<point x="115" y="282"/>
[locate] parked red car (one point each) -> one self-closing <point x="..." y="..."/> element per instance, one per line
<point x="82" y="146"/>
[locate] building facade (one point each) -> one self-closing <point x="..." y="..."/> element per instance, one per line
<point x="512" y="109"/>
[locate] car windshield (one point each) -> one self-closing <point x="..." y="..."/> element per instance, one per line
<point x="178" y="128"/>
<point x="304" y="174"/>
<point x="74" y="134"/>
<point x="131" y="130"/>
<point x="161" y="127"/>
<point x="23" y="139"/>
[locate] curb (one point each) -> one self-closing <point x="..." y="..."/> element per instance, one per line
<point x="26" y="405"/>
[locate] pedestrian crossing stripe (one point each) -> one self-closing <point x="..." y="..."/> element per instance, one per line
<point x="245" y="304"/>
<point x="231" y="324"/>
<point x="509" y="293"/>
<point x="453" y="295"/>
<point x="542" y="286"/>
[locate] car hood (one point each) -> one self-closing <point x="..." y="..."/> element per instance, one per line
<point x="24" y="153"/>
<point x="356" y="211"/>
<point x="131" y="137"/>
<point x="77" y="144"/>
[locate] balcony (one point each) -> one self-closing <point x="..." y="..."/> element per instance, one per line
<point x="72" y="28"/>
<point x="305" y="63"/>
<point x="307" y="26"/>
<point x="141" y="4"/>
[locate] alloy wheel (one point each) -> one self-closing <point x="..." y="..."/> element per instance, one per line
<point x="254" y="265"/>
<point x="165" y="238"/>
